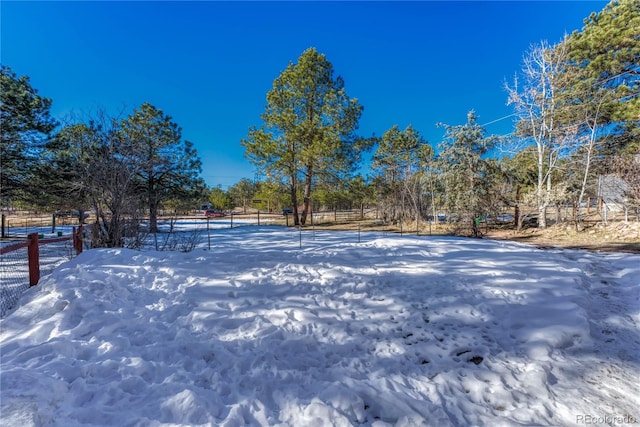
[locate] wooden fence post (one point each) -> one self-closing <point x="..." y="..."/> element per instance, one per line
<point x="33" y="253"/>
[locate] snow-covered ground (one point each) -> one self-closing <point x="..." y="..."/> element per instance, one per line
<point x="173" y="235"/>
<point x="391" y="330"/>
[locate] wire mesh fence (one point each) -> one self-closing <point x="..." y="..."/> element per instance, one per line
<point x="14" y="278"/>
<point x="14" y="270"/>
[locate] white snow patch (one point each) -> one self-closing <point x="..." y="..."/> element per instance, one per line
<point x="390" y="331"/>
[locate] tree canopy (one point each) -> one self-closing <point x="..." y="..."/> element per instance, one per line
<point x="464" y="169"/>
<point x="308" y="127"/>
<point x="606" y="54"/>
<point x="602" y="88"/>
<point x="167" y="165"/>
<point x="25" y="123"/>
<point x="576" y="102"/>
<point x="398" y="161"/>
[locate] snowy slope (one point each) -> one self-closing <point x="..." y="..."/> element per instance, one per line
<point x="389" y="331"/>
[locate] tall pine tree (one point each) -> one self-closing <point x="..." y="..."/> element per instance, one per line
<point x="168" y="167"/>
<point x="309" y="125"/>
<point x="466" y="172"/>
<point x="25" y="123"/>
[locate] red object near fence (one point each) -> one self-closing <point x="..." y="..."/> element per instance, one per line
<point x="33" y="251"/>
<point x="14" y="247"/>
<point x="34" y="259"/>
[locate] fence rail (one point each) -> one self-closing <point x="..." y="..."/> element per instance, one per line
<point x="23" y="263"/>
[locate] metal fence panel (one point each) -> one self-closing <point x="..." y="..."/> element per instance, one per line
<point x="14" y="278"/>
<point x="14" y="270"/>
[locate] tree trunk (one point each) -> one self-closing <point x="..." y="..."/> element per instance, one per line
<point x="516" y="210"/>
<point x="153" y="216"/>
<point x="307" y="195"/>
<point x="540" y="190"/>
<point x="542" y="216"/>
<point x="294" y="200"/>
<point x="81" y="213"/>
<point x="153" y="204"/>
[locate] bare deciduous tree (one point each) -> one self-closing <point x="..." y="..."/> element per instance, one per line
<point x="537" y="106"/>
<point x="98" y="169"/>
<point x="399" y="162"/>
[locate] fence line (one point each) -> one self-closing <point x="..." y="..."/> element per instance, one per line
<point x="22" y="264"/>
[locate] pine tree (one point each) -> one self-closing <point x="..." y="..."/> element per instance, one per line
<point x="400" y="159"/>
<point x="242" y="193"/>
<point x="308" y="130"/>
<point x="606" y="55"/>
<point x="465" y="171"/>
<point x="25" y="123"/>
<point x="168" y="167"/>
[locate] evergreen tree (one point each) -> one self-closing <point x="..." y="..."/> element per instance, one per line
<point x="120" y="168"/>
<point x="25" y="123"/>
<point x="605" y="55"/>
<point x="273" y="194"/>
<point x="242" y="193"/>
<point x="361" y="193"/>
<point x="520" y="177"/>
<point x="309" y="125"/>
<point x="467" y="174"/>
<point x="220" y="199"/>
<point x="400" y="159"/>
<point x="601" y="91"/>
<point x="168" y="167"/>
<point x="66" y="169"/>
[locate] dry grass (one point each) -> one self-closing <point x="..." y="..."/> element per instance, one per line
<point x="596" y="236"/>
<point x="593" y="235"/>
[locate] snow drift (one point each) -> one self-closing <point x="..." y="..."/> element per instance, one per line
<point x="387" y="331"/>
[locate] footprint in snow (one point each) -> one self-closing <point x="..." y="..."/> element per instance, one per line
<point x="476" y="359"/>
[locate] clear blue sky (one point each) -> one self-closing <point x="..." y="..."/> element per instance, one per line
<point x="209" y="65"/>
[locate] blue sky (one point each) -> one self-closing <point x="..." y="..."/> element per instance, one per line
<point x="210" y="64"/>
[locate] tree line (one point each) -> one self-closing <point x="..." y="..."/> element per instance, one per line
<point x="577" y="105"/>
<point x="576" y="102"/>
<point x="122" y="169"/>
